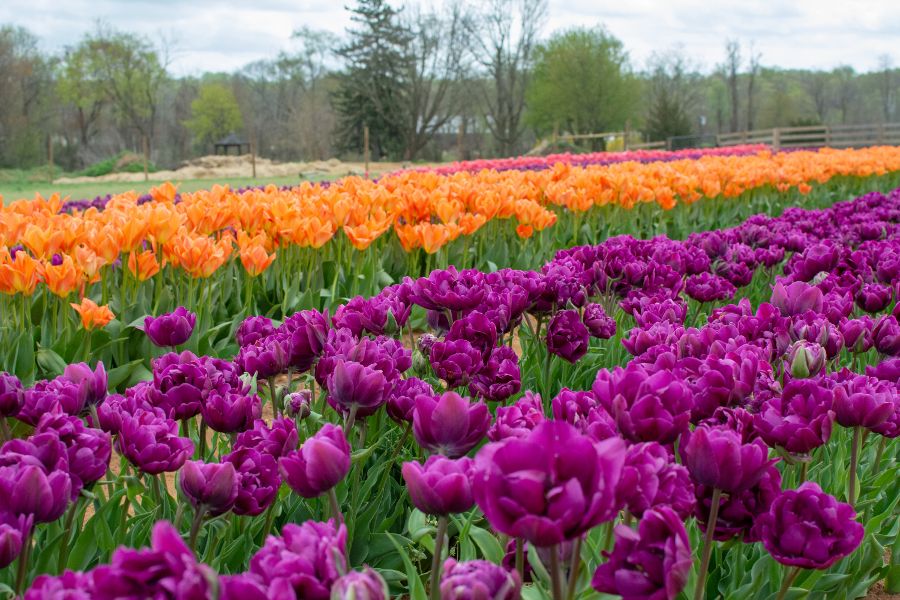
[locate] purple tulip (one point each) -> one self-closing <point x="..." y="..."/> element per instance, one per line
<point x="354" y="385"/>
<point x="650" y="478"/>
<point x="276" y="441"/>
<point x="152" y="444"/>
<point x="93" y="383"/>
<point x="796" y="298"/>
<point x="519" y="419"/>
<point x="170" y="329"/>
<point x="651" y="563"/>
<point x="873" y="297"/>
<point x="449" y="289"/>
<point x="707" y="287"/>
<point x="231" y="411"/>
<point x="34" y="477"/>
<point x="88" y="449"/>
<point x="68" y="586"/>
<point x="167" y="569"/>
<point x="567" y="337"/>
<point x="864" y="402"/>
<point x="401" y="401"/>
<point x="12" y="396"/>
<point x="477" y="580"/>
<point x="455" y="361"/>
<point x="265" y="358"/>
<point x="14" y="529"/>
<point x="180" y="382"/>
<point x="298" y="404"/>
<point x="450" y="424"/>
<point x="551" y="486"/>
<point x="304" y="334"/>
<point x="647" y="407"/>
<point x="442" y="486"/>
<point x="582" y="410"/>
<point x="360" y="585"/>
<point x="805" y="359"/>
<point x="51" y="396"/>
<point x="320" y="464"/>
<point x="258" y="480"/>
<point x="247" y="586"/>
<point x="738" y="512"/>
<point x="499" y="378"/>
<point x="716" y="457"/>
<point x="476" y="329"/>
<point x="308" y="557"/>
<point x="252" y="329"/>
<point x="858" y="334"/>
<point x="209" y="486"/>
<point x="598" y="324"/>
<point x="808" y="528"/>
<point x="886" y="335"/>
<point x="799" y="420"/>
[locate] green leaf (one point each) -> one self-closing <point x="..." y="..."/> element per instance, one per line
<point x="50" y="363"/>
<point x="119" y="374"/>
<point x="24" y="359"/>
<point x="487" y="543"/>
<point x="414" y="584"/>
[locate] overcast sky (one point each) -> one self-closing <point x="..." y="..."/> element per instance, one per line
<point x="224" y="35"/>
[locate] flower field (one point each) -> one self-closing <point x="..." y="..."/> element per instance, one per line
<point x="671" y="376"/>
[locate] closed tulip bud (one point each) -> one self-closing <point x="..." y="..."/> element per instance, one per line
<point x="31" y="490"/>
<point x="806" y="359"/>
<point x="298" y="404"/>
<point x="320" y="464"/>
<point x="170" y="329"/>
<point x="12" y="395"/>
<point x="441" y="486"/>
<point x="14" y="529"/>
<point x="360" y="585"/>
<point x="450" y="424"/>
<point x="354" y="384"/>
<point x="213" y="486"/>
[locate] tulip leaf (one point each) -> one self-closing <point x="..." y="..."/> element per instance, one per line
<point x="414" y="584"/>
<point x="487" y="543"/>
<point x="24" y="359"/>
<point x="50" y="363"/>
<point x="120" y="374"/>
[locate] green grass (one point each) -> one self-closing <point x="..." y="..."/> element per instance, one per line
<point x="25" y="184"/>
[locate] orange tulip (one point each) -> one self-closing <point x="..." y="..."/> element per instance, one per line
<point x="143" y="265"/>
<point x="93" y="316"/>
<point x="19" y="275"/>
<point x="64" y="278"/>
<point x="255" y="259"/>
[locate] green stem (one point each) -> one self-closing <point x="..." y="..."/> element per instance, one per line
<point x="64" y="547"/>
<point x="5" y="434"/>
<point x="199" y="513"/>
<point x="434" y="586"/>
<point x="708" y="541"/>
<point x="789" y="578"/>
<point x="335" y="506"/>
<point x="854" y="462"/>
<point x="573" y="571"/>
<point x="878" y="454"/>
<point x="23" y="564"/>
<point x="202" y="439"/>
<point x="350" y="420"/>
<point x="520" y="558"/>
<point x="556" y="576"/>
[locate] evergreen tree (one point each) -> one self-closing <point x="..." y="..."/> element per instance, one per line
<point x="372" y="88"/>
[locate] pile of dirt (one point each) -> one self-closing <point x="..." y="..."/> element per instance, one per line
<point x="230" y="167"/>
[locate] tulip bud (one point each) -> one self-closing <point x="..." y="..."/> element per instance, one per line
<point x="211" y="485"/>
<point x="170" y="329"/>
<point x="298" y="404"/>
<point x="320" y="464"/>
<point x="441" y="486"/>
<point x="806" y="359"/>
<point x="13" y="531"/>
<point x="360" y="585"/>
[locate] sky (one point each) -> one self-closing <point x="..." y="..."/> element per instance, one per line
<point x="224" y="35"/>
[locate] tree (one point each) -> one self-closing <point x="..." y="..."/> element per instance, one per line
<point x="582" y="83"/>
<point x="752" y="74"/>
<point x="214" y="114"/>
<point x="672" y="93"/>
<point x="371" y="90"/>
<point x="436" y="67"/>
<point x="130" y="71"/>
<point x="846" y="91"/>
<point x="730" y="70"/>
<point x="506" y="35"/>
<point x="887" y="87"/>
<point x="79" y="84"/>
<point x="816" y="85"/>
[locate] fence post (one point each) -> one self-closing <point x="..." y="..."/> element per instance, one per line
<point x="776" y="139"/>
<point x="880" y="134"/>
<point x="828" y="135"/>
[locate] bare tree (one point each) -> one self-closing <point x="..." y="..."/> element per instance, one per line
<point x="887" y="87"/>
<point x="846" y="91"/>
<point x="730" y="71"/>
<point x="816" y="85"/>
<point x="438" y="65"/>
<point x="752" y="73"/>
<point x="673" y="92"/>
<point x="504" y="45"/>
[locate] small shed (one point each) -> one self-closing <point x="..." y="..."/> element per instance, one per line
<point x="230" y="142"/>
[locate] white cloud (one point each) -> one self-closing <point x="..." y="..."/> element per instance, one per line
<point x="223" y="35"/>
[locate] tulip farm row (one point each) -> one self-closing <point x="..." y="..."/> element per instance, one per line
<point x="659" y="418"/>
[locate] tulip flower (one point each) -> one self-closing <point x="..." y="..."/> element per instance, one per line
<point x="441" y="486"/>
<point x="707" y="287"/>
<point x="796" y="298"/>
<point x="652" y="562"/>
<point x="88" y="450"/>
<point x="152" y="444"/>
<point x="551" y="486"/>
<point x="455" y="361"/>
<point x="450" y="424"/>
<point x="252" y="329"/>
<point x="356" y="390"/>
<point x="12" y="396"/>
<point x="478" y="579"/>
<point x="401" y="401"/>
<point x="298" y="404"/>
<point x="598" y="324"/>
<point x="567" y="337"/>
<point x="360" y="585"/>
<point x="258" y="480"/>
<point x="650" y="478"/>
<point x="14" y="532"/>
<point x="517" y="420"/>
<point x="308" y="558"/>
<point x="180" y="382"/>
<point x="799" y="420"/>
<point x="582" y="410"/>
<point x="477" y="329"/>
<point x="805" y="359"/>
<point x="209" y="486"/>
<point x="886" y="335"/>
<point x="873" y="297"/>
<point x="92" y="315"/>
<point x="320" y="464"/>
<point x="737" y="513"/>
<point x="231" y="411"/>
<point x="170" y="329"/>
<point x="499" y="378"/>
<point x="276" y="441"/>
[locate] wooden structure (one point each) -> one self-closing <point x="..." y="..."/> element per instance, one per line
<point x="232" y="142"/>
<point x="814" y="136"/>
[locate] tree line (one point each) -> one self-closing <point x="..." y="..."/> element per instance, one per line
<point x="460" y="81"/>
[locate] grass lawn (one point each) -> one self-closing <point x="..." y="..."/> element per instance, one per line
<point x="16" y="185"/>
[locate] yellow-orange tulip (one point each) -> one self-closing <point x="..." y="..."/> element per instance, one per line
<point x="92" y="315"/>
